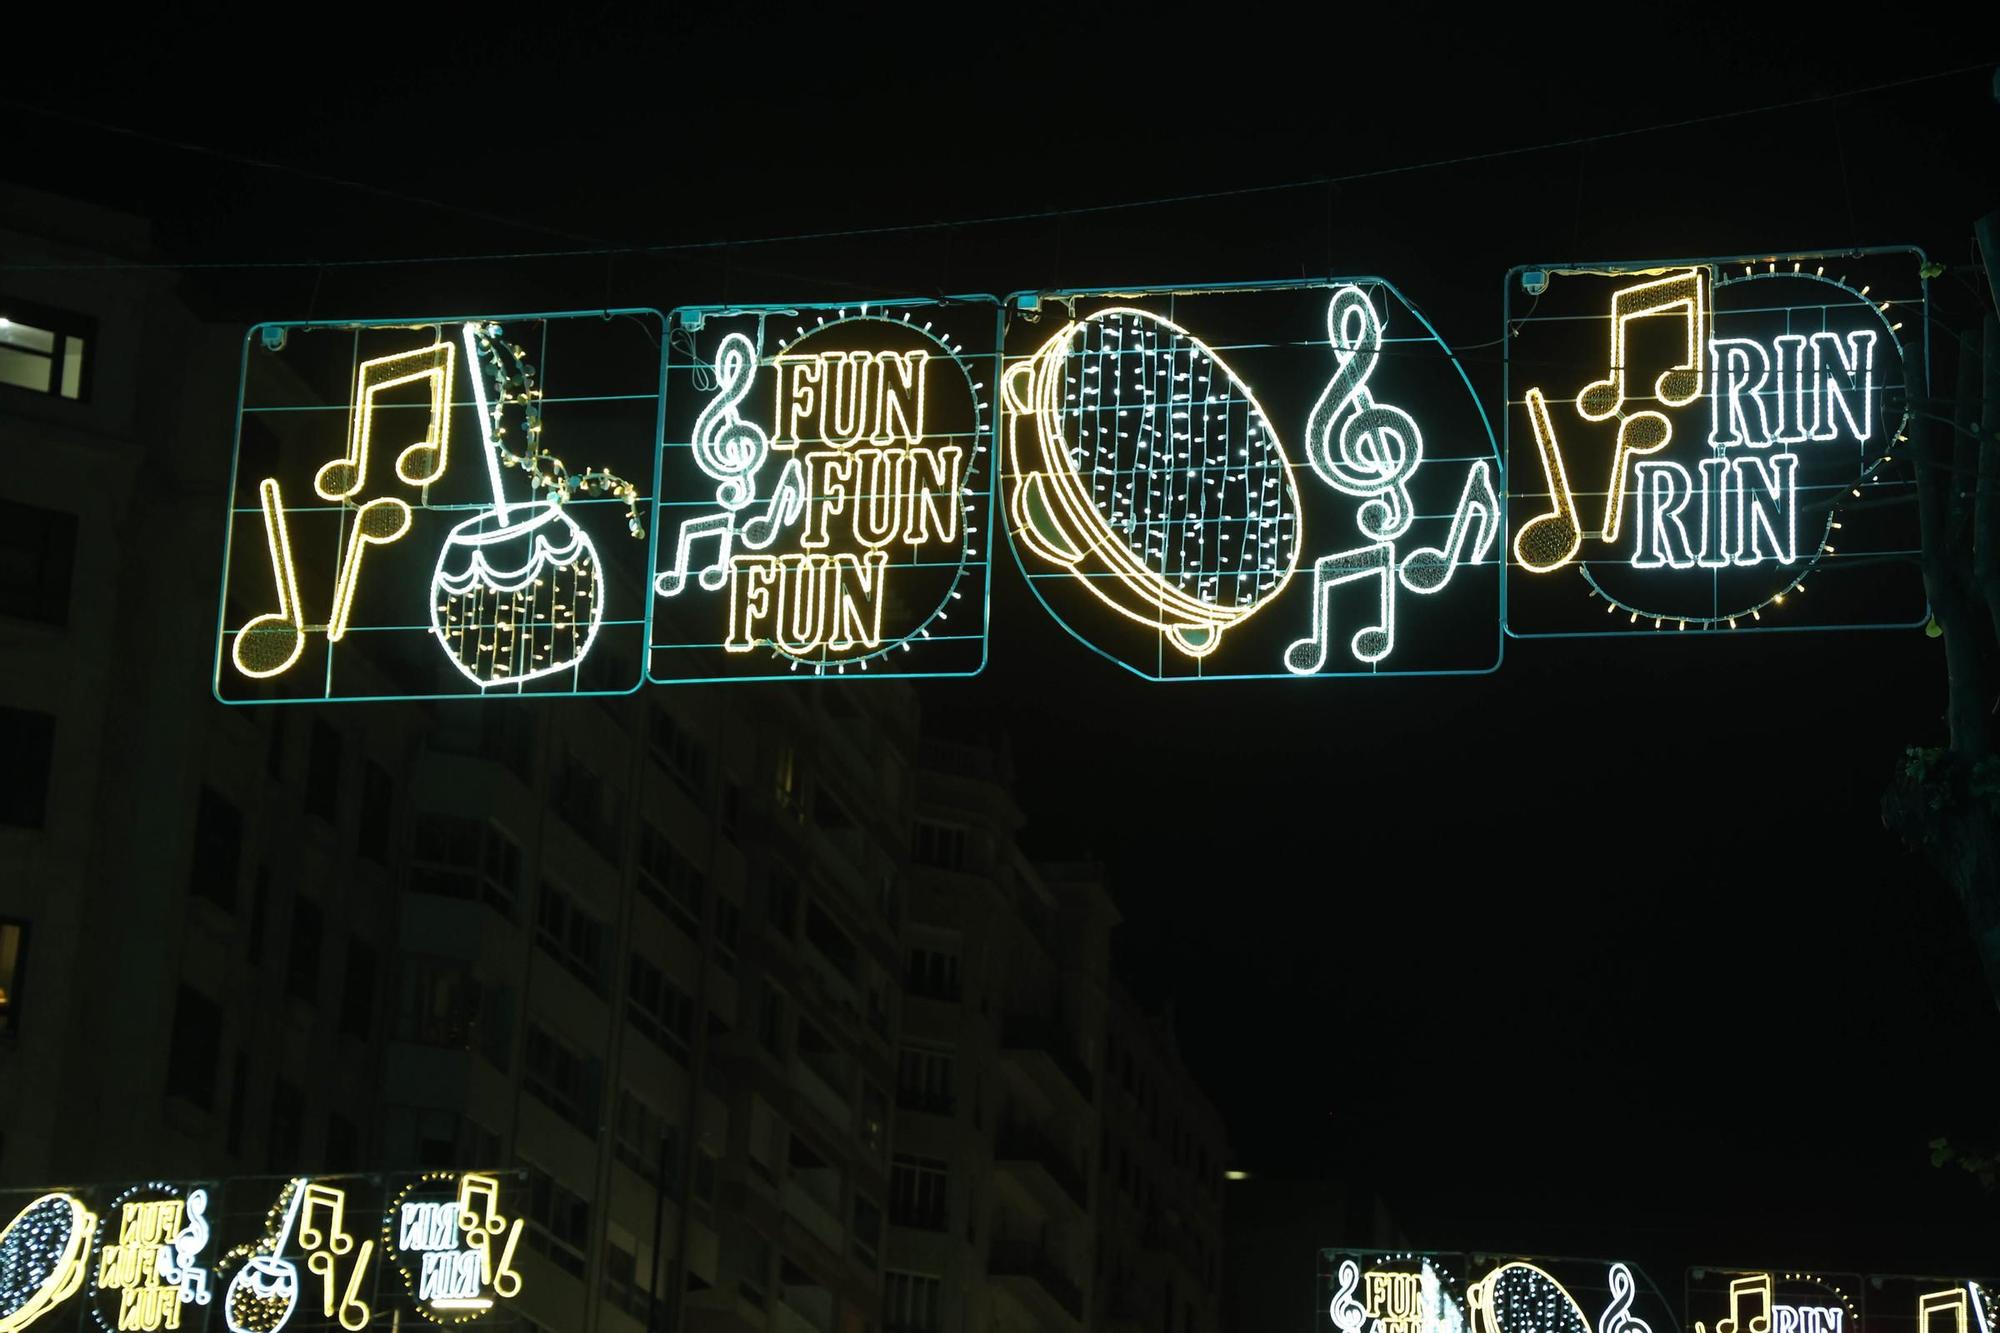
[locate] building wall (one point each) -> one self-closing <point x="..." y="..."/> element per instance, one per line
<point x="763" y="989"/>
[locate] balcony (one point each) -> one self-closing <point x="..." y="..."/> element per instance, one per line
<point x="813" y="1085"/>
<point x="926" y="1101"/>
<point x="803" y="1202"/>
<point x="1022" y="1260"/>
<point x="1023" y="1143"/>
<point x="1047" y="1038"/>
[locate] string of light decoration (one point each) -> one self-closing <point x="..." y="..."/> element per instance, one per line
<point x="1871" y="467"/>
<point x="548" y="477"/>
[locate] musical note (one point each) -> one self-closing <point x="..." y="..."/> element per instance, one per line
<point x="1645" y="432"/>
<point x="1376" y="446"/>
<point x="376" y="523"/>
<point x="1676" y="387"/>
<point x="271" y="643"/>
<point x="501" y="1275"/>
<point x="726" y="447"/>
<point x="353" y="1312"/>
<point x="1549" y="541"/>
<point x="333" y="1200"/>
<point x="177" y="1258"/>
<point x="419" y="464"/>
<point x="478" y="1185"/>
<point x="720" y="525"/>
<point x="1754" y="1291"/>
<point x="1347" y="1313"/>
<point x="787" y="502"/>
<point x="1618" y="1317"/>
<point x="1429" y="568"/>
<point x="1371" y="643"/>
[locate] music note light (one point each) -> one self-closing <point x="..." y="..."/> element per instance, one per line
<point x="1371" y="643"/>
<point x="1357" y="445"/>
<point x="422" y="462"/>
<point x="1547" y="542"/>
<point x="270" y="644"/>
<point x="1429" y="568"/>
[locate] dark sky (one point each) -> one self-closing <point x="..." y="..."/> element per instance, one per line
<point x="1608" y="952"/>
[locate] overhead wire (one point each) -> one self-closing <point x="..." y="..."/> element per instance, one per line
<point x="904" y="228"/>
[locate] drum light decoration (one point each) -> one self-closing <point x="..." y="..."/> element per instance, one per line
<point x="1144" y="465"/>
<point x="43" y="1253"/>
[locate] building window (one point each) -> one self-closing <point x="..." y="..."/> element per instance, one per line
<point x="44" y="350"/>
<point x="302" y="966"/>
<point x="910" y="1302"/>
<point x="728" y="932"/>
<point x="323" y="772"/>
<point x="682" y="754"/>
<point x="645" y="1142"/>
<point x="564" y="1080"/>
<point x="831" y="941"/>
<point x="561" y="1223"/>
<point x="658" y="1008"/>
<point x="781" y="901"/>
<point x="28" y="739"/>
<point x="378" y="812"/>
<point x="444" y="1004"/>
<point x="924" y="1080"/>
<point x="37" y="562"/>
<point x="934" y="974"/>
<point x="940" y="845"/>
<point x="195" y="1048"/>
<point x="466" y="858"/>
<point x="13" y="967"/>
<point x="571" y="936"/>
<point x="587" y="803"/>
<point x="669" y="880"/>
<point x="919" y="1194"/>
<point x="867" y="1228"/>
<point x="621" y="1280"/>
<point x="260" y="900"/>
<point x="874" y="1118"/>
<point x="357" y="997"/>
<point x="343" y="1151"/>
<point x="218" y="839"/>
<point x="288" y="1125"/>
<point x="239" y="1103"/>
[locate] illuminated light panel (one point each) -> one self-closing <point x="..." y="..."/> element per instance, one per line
<point x="270" y="644"/>
<point x="1213" y="532"/>
<point x="43" y="1257"/>
<point x="1744" y="497"/>
<point x="453" y="1247"/>
<point x="150" y="1267"/>
<point x="866" y="486"/>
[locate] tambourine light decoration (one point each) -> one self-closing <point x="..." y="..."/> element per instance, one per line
<point x="1146" y="467"/>
<point x="42" y="1258"/>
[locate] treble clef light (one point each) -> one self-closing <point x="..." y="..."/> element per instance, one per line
<point x="726" y="447"/>
<point x="1618" y="1317"/>
<point x="1347" y="1313"/>
<point x="1357" y="445"/>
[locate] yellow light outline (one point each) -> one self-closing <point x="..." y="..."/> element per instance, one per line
<point x="278" y="539"/>
<point x="1173" y="612"/>
<point x="384" y="372"/>
<point x="1563" y="499"/>
<point x="1479" y="1298"/>
<point x="67" y="1276"/>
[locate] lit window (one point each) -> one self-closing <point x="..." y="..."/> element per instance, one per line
<point x="13" y="963"/>
<point x="42" y="350"/>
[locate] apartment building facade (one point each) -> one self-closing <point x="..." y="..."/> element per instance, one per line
<point x="789" y="1032"/>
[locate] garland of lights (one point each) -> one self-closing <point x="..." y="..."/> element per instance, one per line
<point x="548" y="477"/>
<point x="1823" y="546"/>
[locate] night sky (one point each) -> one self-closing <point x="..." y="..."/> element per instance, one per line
<point x="1606" y="953"/>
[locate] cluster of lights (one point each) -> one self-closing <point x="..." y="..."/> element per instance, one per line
<point x="1148" y="469"/>
<point x="43" y="1255"/>
<point x="422" y="1237"/>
